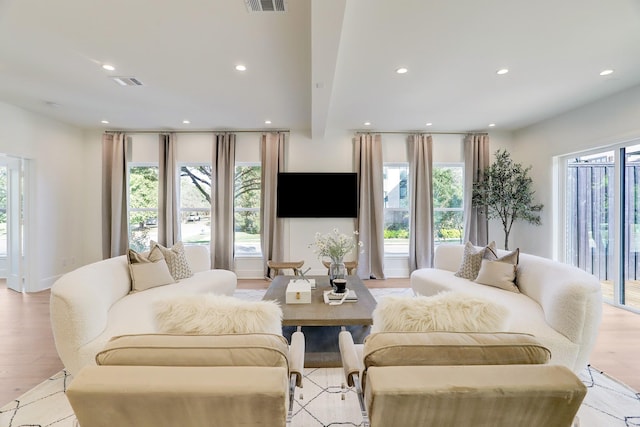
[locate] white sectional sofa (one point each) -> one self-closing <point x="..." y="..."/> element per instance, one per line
<point x="559" y="304"/>
<point x="92" y="304"/>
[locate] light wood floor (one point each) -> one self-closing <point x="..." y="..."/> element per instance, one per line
<point x="28" y="355"/>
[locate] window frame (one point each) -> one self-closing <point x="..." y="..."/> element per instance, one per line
<point x="390" y="254"/>
<point x="459" y="165"/>
<point x="184" y="212"/>
<point x="236" y="209"/>
<point x="130" y="210"/>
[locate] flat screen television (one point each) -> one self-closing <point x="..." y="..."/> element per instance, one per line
<point x="317" y="195"/>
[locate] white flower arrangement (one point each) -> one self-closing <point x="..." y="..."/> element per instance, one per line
<point x="335" y="245"/>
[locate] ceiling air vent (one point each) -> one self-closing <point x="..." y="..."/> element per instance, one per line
<point x="127" y="81"/>
<point x="266" y="5"/>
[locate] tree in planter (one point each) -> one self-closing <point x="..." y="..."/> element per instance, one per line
<point x="505" y="192"/>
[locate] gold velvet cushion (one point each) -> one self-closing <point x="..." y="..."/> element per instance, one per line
<point x="452" y="348"/>
<point x="445" y="311"/>
<point x="216" y="314"/>
<point x="196" y="350"/>
<point x="472" y="259"/>
<point x="148" y="271"/>
<point x="499" y="272"/>
<point x="176" y="260"/>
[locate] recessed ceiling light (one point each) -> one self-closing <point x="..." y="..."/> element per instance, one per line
<point x="402" y="70"/>
<point x="492" y="125"/>
<point x="502" y="71"/>
<point x="241" y="67"/>
<point x="606" y="72"/>
<point x="186" y="122"/>
<point x="429" y="124"/>
<point x="367" y="123"/>
<point x="104" y="122"/>
<point x="108" y="67"/>
<point x="267" y="122"/>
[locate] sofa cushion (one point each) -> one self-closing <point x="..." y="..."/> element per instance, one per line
<point x="498" y="274"/>
<point x="445" y="311"/>
<point x="176" y="260"/>
<point x="216" y="314"/>
<point x="452" y="348"/>
<point x="471" y="260"/>
<point x="148" y="271"/>
<point x="195" y="350"/>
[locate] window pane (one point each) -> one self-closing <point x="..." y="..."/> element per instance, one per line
<point x="448" y="226"/>
<point x="448" y="187"/>
<point x="195" y="204"/>
<point x="143" y="206"/>
<point x="247" y="210"/>
<point x="396" y="209"/>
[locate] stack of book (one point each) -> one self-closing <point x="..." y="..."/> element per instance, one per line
<point x="331" y="296"/>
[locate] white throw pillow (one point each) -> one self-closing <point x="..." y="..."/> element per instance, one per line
<point x="148" y="271"/>
<point x="446" y="311"/>
<point x="216" y="314"/>
<point x="498" y="274"/>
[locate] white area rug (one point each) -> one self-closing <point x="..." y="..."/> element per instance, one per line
<point x="320" y="402"/>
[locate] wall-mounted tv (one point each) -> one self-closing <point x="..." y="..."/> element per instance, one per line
<point x="317" y="195"/>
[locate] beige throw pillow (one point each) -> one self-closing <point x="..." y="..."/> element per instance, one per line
<point x="472" y="259"/>
<point x="498" y="274"/>
<point x="176" y="260"/>
<point x="148" y="271"/>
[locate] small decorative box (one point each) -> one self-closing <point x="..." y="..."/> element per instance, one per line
<point x="298" y="292"/>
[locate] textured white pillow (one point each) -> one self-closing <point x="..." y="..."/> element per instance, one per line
<point x="498" y="274"/>
<point x="446" y="311"/>
<point x="216" y="314"/>
<point x="471" y="260"/>
<point x="176" y="260"/>
<point x="148" y="271"/>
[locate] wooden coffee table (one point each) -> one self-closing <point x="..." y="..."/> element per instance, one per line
<point x="318" y="313"/>
<point x="322" y="322"/>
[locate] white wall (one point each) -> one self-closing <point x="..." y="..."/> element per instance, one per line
<point x="613" y="120"/>
<point x="56" y="195"/>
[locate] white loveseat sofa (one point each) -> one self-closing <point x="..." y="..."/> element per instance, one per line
<point x="559" y="304"/>
<point x="92" y="304"/>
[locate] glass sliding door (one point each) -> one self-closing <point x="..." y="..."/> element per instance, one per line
<point x="602" y="220"/>
<point x="630" y="286"/>
<point x="590" y="218"/>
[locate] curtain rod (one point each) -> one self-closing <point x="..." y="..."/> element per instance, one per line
<point x="196" y="131"/>
<point x="421" y="131"/>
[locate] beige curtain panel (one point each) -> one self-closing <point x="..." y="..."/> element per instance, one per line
<point x="476" y="159"/>
<point x="168" y="176"/>
<point x="115" y="235"/>
<point x="368" y="157"/>
<point x="222" y="187"/>
<point x="272" y="229"/>
<point x="421" y="201"/>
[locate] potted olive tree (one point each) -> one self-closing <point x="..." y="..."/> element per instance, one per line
<point x="505" y="191"/>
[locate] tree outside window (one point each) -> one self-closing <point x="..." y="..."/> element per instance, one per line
<point x="396" y="208"/>
<point x="195" y="203"/>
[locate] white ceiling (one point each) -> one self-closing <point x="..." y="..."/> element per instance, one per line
<point x="322" y="64"/>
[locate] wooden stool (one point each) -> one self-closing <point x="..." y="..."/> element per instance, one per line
<point x="276" y="266"/>
<point x="349" y="265"/>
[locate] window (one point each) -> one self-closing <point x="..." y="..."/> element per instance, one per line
<point x="247" y="195"/>
<point x="143" y="206"/>
<point x="396" y="208"/>
<point x="195" y="203"/>
<point x="3" y="211"/>
<point x="448" y="209"/>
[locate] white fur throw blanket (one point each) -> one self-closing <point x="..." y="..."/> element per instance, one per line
<point x="446" y="311"/>
<point x="216" y="314"/>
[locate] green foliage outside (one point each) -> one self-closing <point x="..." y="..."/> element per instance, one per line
<point x="143" y="185"/>
<point x="448" y="192"/>
<point x="505" y="191"/>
